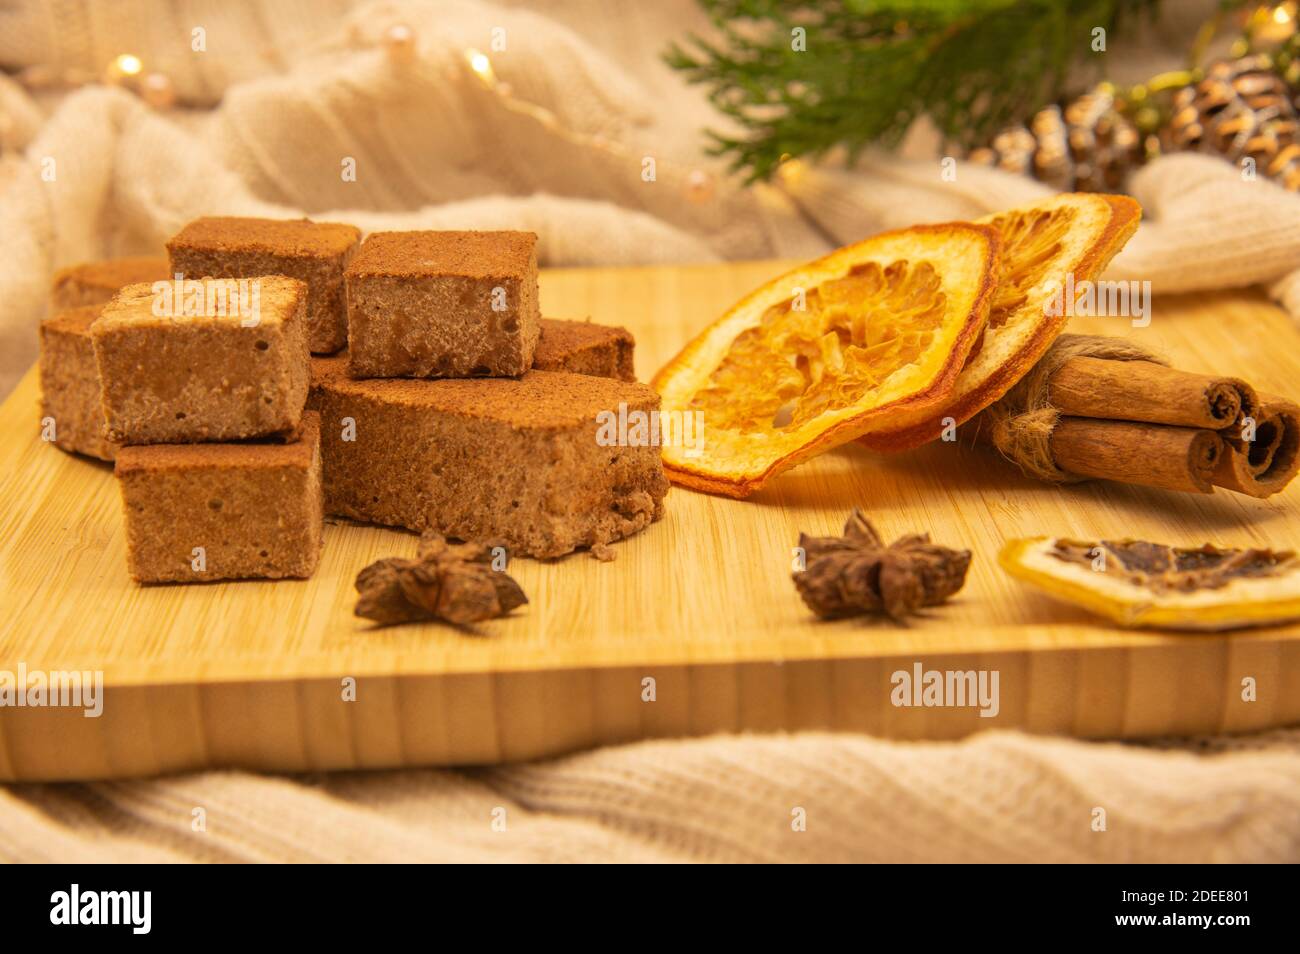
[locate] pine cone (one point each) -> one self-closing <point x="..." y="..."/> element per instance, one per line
<point x="1088" y="146"/>
<point x="1241" y="109"/>
<point x="1104" y="144"/>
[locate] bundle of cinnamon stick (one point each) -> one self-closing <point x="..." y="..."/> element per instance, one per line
<point x="1102" y="408"/>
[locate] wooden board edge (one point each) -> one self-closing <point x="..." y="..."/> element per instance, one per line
<point x="466" y="719"/>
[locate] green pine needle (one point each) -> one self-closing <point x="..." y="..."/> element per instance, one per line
<point x="870" y="68"/>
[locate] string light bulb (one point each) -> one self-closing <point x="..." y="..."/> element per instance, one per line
<point x="399" y="41"/>
<point x="481" y="65"/>
<point x="156" y="89"/>
<point x="699" y="186"/>
<point x="1270" y="27"/>
<point x="790" y="170"/>
<point x="123" y="68"/>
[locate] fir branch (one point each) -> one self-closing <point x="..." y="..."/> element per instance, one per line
<point x="872" y="67"/>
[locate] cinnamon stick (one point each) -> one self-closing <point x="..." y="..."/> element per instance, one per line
<point x="1265" y="465"/>
<point x="1104" y="408"/>
<point x="1154" y="455"/>
<point x="1146" y="391"/>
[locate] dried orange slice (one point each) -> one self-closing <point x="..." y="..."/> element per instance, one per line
<point x="1136" y="583"/>
<point x="810" y="359"/>
<point x="1069" y="234"/>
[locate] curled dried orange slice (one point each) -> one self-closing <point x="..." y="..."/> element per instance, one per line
<point x="1073" y="234"/>
<point x="808" y="360"/>
<point x="1136" y="583"/>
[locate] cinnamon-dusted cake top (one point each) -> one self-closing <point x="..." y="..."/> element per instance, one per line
<point x="73" y="321"/>
<point x="113" y="273"/>
<point x="562" y="337"/>
<point x="288" y="237"/>
<point x="458" y="254"/>
<point x="538" y="399"/>
<point x="276" y="299"/>
<point x="249" y="455"/>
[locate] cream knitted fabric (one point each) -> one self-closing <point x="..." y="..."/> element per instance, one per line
<point x="247" y="39"/>
<point x="285" y="92"/>
<point x="998" y="796"/>
<point x="1203" y="226"/>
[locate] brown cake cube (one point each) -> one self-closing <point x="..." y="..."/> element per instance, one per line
<point x="209" y="360"/>
<point x="70" y="405"/>
<point x="312" y="252"/>
<point x="582" y="347"/>
<point x="94" y="283"/>
<point x="443" y="304"/>
<point x="518" y="462"/>
<point x="197" y="512"/>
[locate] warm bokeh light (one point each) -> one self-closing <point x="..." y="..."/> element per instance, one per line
<point x="127" y="64"/>
<point x="480" y="64"/>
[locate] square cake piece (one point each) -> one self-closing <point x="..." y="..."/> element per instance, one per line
<point x="70" y="390"/>
<point x="93" y="283"/>
<point x="210" y="360"/>
<point x="530" y="463"/>
<point x="312" y="252"/>
<point x="443" y="304"/>
<point x="198" y="512"/>
<point x="582" y="347"/>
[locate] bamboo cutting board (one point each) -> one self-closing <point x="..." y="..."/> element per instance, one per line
<point x="695" y="628"/>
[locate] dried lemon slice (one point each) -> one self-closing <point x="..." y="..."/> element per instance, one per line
<point x="1136" y="583"/>
<point x="1069" y="234"/>
<point x="807" y="361"/>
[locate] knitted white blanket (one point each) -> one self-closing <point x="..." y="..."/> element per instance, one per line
<point x="552" y="134"/>
<point x="999" y="796"/>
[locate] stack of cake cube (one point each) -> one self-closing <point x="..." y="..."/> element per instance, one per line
<point x="459" y="409"/>
<point x="237" y="419"/>
<point x="72" y="415"/>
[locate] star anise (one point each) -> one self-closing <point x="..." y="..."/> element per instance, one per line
<point x="857" y="573"/>
<point x="452" y="582"/>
